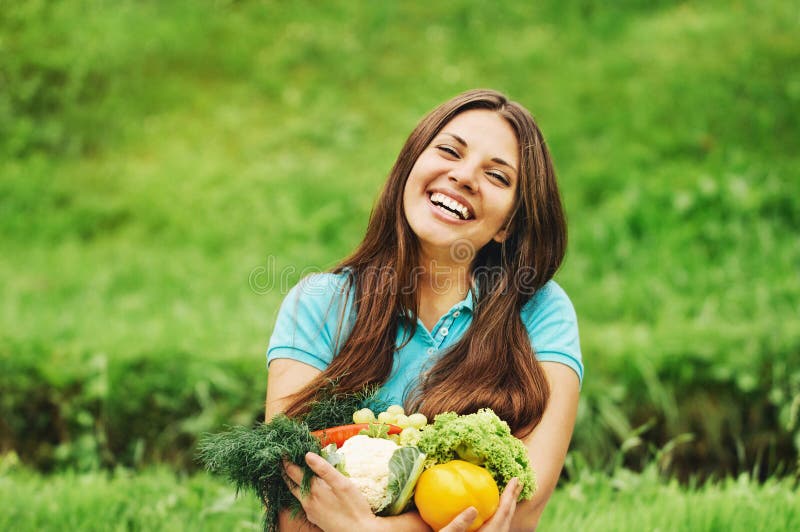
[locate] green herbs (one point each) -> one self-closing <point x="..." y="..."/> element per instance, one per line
<point x="482" y="439"/>
<point x="252" y="459"/>
<point x="332" y="409"/>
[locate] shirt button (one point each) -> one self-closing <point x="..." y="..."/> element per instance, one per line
<point x="443" y="331"/>
<point x="431" y="350"/>
<point x="456" y="313"/>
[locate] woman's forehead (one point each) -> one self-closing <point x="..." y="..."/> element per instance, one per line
<point x="485" y="130"/>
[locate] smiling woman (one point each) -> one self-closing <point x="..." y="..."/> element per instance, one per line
<point x="457" y="189"/>
<point x="448" y="304"/>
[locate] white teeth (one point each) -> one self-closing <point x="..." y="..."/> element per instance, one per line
<point x="451" y="213"/>
<point x="438" y="197"/>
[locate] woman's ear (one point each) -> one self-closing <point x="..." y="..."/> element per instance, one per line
<point x="501" y="235"/>
<point x="504" y="231"/>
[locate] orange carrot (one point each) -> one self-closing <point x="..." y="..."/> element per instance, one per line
<point x="339" y="435"/>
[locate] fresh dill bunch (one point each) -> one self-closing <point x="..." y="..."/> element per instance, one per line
<point x="331" y="409"/>
<point x="252" y="459"/>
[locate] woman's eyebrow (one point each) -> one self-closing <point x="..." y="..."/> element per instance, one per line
<point x="458" y="139"/>
<point x="463" y="142"/>
<point x="498" y="160"/>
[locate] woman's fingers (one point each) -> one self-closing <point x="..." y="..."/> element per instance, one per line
<point x="324" y="470"/>
<point x="508" y="501"/>
<point x="321" y="467"/>
<point x="293" y="471"/>
<point x="501" y="520"/>
<point x="462" y="521"/>
<point x="295" y="477"/>
<point x="334" y="502"/>
<point x="511" y="492"/>
<point x="331" y="478"/>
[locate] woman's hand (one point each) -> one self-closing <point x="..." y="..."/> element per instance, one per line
<point x="334" y="503"/>
<point x="499" y="522"/>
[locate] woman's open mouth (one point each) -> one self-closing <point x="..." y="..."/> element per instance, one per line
<point x="449" y="207"/>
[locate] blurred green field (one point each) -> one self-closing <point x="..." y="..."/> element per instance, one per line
<point x="169" y="169"/>
<point x="156" y="500"/>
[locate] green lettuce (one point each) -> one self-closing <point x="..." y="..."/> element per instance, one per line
<point x="483" y="439"/>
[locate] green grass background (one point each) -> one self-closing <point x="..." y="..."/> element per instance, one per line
<point x="169" y="169"/>
<point x="157" y="500"/>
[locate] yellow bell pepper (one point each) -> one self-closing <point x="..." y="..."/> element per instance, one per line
<point x="445" y="490"/>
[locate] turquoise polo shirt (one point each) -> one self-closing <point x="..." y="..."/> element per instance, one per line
<point x="307" y="330"/>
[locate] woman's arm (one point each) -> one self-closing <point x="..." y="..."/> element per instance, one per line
<point x="548" y="443"/>
<point x="285" y="378"/>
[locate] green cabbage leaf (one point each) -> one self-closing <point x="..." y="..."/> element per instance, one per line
<point x="405" y="467"/>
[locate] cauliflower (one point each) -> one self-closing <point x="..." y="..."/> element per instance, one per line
<point x="366" y="462"/>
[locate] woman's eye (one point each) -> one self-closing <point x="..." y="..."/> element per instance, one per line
<point x="448" y="150"/>
<point x="500" y="177"/>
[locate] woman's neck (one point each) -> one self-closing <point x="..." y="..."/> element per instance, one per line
<point x="442" y="283"/>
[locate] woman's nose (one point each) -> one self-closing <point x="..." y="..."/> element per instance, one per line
<point x="465" y="176"/>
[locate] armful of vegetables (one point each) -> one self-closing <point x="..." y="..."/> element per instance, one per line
<point x="465" y="459"/>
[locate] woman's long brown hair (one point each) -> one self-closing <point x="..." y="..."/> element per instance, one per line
<point x="493" y="365"/>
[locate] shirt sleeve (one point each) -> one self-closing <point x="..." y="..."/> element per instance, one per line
<point x="307" y="325"/>
<point x="553" y="327"/>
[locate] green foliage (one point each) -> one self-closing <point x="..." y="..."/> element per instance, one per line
<point x="154" y="500"/>
<point x="169" y="169"/>
<point x="331" y="409"/>
<point x="629" y="501"/>
<point x="63" y="409"/>
<point x="158" y="500"/>
<point x="252" y="459"/>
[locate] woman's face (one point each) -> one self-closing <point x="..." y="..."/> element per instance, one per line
<point x="462" y="188"/>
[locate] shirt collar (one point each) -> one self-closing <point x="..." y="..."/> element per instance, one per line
<point x="468" y="303"/>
